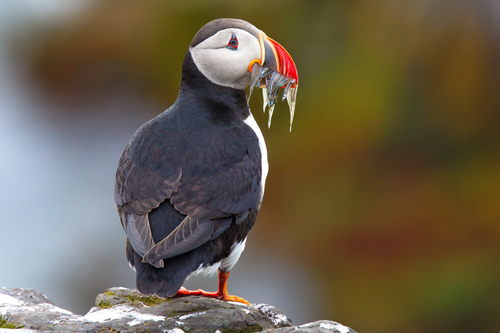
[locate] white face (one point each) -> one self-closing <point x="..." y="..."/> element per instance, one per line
<point x="227" y="66"/>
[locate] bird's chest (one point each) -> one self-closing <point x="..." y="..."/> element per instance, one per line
<point x="250" y="121"/>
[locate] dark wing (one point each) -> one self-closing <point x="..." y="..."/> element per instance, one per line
<point x="228" y="184"/>
<point x="146" y="173"/>
<point x="140" y="188"/>
<point x="210" y="177"/>
<point x="189" y="234"/>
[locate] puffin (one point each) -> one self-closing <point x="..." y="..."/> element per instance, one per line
<point x="190" y="182"/>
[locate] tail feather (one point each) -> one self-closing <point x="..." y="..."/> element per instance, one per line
<point x="165" y="281"/>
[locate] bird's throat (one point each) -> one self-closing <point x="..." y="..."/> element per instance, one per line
<point x="224" y="101"/>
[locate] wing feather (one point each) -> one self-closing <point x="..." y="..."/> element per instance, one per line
<point x="189" y="234"/>
<point x="139" y="235"/>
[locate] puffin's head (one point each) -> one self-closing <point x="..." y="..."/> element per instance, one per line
<point x="234" y="53"/>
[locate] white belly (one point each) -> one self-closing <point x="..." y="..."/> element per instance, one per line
<point x="250" y="121"/>
<point x="225" y="264"/>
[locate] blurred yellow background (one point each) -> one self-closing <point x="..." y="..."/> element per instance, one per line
<point x="382" y="206"/>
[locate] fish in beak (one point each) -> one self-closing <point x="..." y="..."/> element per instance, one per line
<point x="274" y="70"/>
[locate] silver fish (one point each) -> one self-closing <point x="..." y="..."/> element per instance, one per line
<point x="271" y="82"/>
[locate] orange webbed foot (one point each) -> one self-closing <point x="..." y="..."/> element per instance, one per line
<point x="221" y="294"/>
<point x="233" y="298"/>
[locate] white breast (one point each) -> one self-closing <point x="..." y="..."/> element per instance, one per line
<point x="250" y="121"/>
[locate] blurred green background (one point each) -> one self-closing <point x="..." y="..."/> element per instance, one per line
<point x="382" y="206"/>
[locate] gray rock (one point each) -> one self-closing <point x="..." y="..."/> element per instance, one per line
<point x="278" y="317"/>
<point x="125" y="310"/>
<point x="320" y="326"/>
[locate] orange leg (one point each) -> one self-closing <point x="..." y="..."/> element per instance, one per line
<point x="221" y="294"/>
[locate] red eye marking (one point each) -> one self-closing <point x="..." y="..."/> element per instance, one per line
<point x="233" y="43"/>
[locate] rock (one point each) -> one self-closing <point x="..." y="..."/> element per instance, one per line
<point x="278" y="318"/>
<point x="320" y="326"/>
<point x="126" y="310"/>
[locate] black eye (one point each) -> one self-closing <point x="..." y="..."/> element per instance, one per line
<point x="233" y="43"/>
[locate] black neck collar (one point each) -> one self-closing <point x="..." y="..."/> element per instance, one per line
<point x="195" y="86"/>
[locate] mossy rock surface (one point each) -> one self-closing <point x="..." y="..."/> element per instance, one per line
<point x="132" y="297"/>
<point x="6" y="323"/>
<point x="127" y="310"/>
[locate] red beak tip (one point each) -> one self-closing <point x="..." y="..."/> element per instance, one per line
<point x="286" y="63"/>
